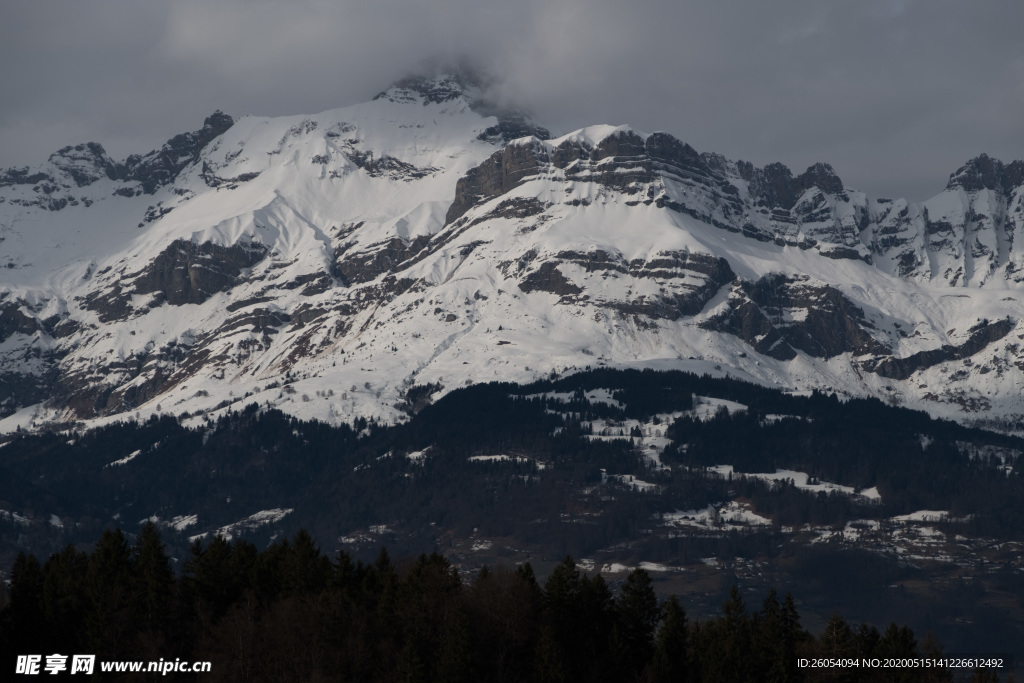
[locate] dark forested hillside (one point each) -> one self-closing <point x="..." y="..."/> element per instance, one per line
<point x="708" y="481"/>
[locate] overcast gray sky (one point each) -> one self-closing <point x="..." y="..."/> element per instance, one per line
<point x="895" y="94"/>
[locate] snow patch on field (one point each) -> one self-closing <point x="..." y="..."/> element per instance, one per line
<point x="182" y="522"/>
<point x="15" y="517"/>
<point x="254" y="521"/>
<point x="592" y="396"/>
<point x="734" y="513"/>
<point x="497" y="458"/>
<point x="872" y="494"/>
<point x="128" y="458"/>
<point x="419" y="457"/>
<point x="706" y="408"/>
<point x="619" y="567"/>
<point x="632" y="482"/>
<point x="799" y="479"/>
<point x="923" y="516"/>
<point x="602" y="396"/>
<point x="772" y="419"/>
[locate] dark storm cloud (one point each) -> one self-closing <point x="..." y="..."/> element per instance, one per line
<point x="894" y="93"/>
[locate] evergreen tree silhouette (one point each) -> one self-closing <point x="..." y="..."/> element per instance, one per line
<point x="152" y="578"/>
<point x="671" y="661"/>
<point x="108" y="596"/>
<point x="638" y="615"/>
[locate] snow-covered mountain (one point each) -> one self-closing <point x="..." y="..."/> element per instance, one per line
<point x="358" y="261"/>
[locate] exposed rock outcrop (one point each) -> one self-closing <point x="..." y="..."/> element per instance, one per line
<point x="190" y="273"/>
<point x="982" y="334"/>
<point x="183" y="273"/>
<point x="160" y="167"/>
<point x="779" y="316"/>
<point x="985" y="173"/>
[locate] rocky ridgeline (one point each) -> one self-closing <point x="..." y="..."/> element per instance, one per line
<point x="205" y="309"/>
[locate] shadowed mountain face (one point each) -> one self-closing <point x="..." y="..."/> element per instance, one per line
<point x="328" y="264"/>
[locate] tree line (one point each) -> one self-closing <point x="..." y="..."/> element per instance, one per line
<point x="289" y="612"/>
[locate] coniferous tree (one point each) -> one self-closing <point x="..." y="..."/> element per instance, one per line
<point x="455" y="658"/>
<point x="592" y="655"/>
<point x="152" y="578"/>
<point x="27" y="621"/>
<point x="343" y="571"/>
<point x="898" y="642"/>
<point x="638" y="615"/>
<point x="931" y="648"/>
<point x="837" y="640"/>
<point x="63" y="598"/>
<point x="504" y="607"/>
<point x="380" y="591"/>
<point x="210" y="578"/>
<point x="774" y="641"/>
<point x="671" y="660"/>
<point x="549" y="661"/>
<point x="108" y="595"/>
<point x="562" y="612"/>
<point x="725" y="644"/>
<point x="305" y="570"/>
<point x="866" y="640"/>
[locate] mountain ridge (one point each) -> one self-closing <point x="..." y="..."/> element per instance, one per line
<point x="385" y="246"/>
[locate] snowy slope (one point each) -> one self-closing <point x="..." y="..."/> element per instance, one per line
<point x="328" y="264"/>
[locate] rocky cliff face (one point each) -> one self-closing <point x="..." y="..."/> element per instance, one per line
<point x="160" y="167"/>
<point x="331" y="264"/>
<point x="55" y="185"/>
<point x="183" y="273"/>
<point x="780" y="316"/>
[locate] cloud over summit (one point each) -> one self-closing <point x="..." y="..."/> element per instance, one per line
<point x="894" y="94"/>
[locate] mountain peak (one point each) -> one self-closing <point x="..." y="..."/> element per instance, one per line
<point x="432" y="89"/>
<point x="468" y="85"/>
<point x="160" y="167"/>
<point x="85" y="163"/>
<point x="218" y="122"/>
<point x="987" y="173"/>
<point x="776" y="185"/>
<point x="821" y="176"/>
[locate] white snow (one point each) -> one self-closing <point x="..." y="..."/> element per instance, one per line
<point x="800" y="480"/>
<point x="872" y="494"/>
<point x="735" y="513"/>
<point x="621" y="568"/>
<point x="923" y="516"/>
<point x="706" y="407"/>
<point x="630" y="481"/>
<point x="418" y="457"/>
<point x="497" y="458"/>
<point x="128" y="458"/>
<point x="253" y="521"/>
<point x="15" y="517"/>
<point x="182" y="522"/>
<point x="312" y="200"/>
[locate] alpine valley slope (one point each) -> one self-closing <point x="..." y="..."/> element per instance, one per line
<point x="356" y="262"/>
